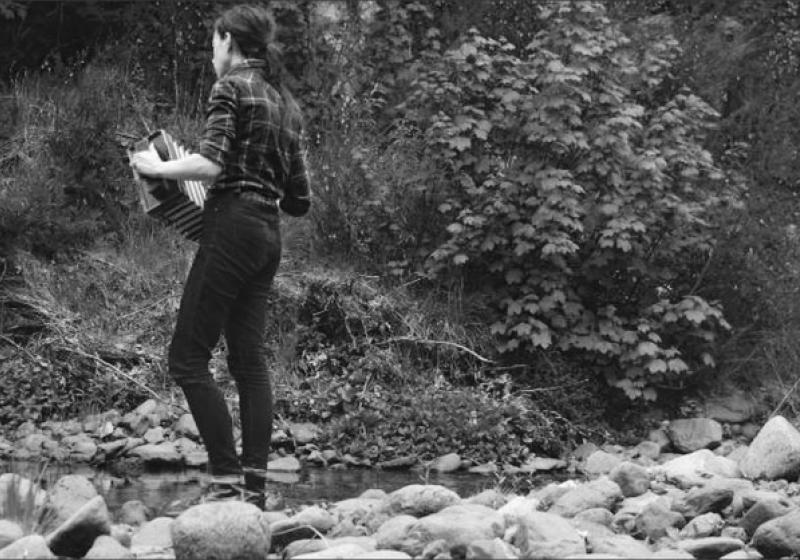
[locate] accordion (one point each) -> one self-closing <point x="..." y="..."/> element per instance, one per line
<point x="178" y="203"/>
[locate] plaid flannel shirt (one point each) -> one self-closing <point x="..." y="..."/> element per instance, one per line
<point x="246" y="136"/>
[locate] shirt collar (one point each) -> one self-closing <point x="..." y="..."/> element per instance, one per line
<point x="248" y="64"/>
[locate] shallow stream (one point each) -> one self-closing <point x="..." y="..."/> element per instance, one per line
<point x="157" y="489"/>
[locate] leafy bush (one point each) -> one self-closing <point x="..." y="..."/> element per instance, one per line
<point x="386" y="424"/>
<point x="577" y="195"/>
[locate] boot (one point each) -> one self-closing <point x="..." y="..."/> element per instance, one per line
<point x="255" y="483"/>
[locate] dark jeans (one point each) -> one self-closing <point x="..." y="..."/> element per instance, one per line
<point x="228" y="289"/>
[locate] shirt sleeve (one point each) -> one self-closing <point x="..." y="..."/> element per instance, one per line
<point x="220" y="131"/>
<point x="297" y="198"/>
<point x="299" y="181"/>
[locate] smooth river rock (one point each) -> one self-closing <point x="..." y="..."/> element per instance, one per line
<point x="420" y="499"/>
<point x="546" y="535"/>
<point x="632" y="479"/>
<point x="601" y="492"/>
<point x="77" y="534"/>
<point x="458" y="525"/>
<point x="221" y="530"/>
<point x="696" y="468"/>
<point x="68" y="495"/>
<point x="774" y="453"/>
<point x="691" y="434"/>
<point x="30" y="547"/>
<point x="763" y="511"/>
<point x="779" y="537"/>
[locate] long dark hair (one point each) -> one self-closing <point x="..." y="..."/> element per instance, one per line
<point x="252" y="28"/>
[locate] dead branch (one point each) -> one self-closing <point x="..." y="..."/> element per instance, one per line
<point x="785" y="397"/>
<point x="461" y="347"/>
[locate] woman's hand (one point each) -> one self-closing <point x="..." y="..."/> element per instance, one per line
<point x="147" y="163"/>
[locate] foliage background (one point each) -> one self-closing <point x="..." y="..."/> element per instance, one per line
<point x="547" y="213"/>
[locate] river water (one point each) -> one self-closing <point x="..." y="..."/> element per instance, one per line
<point x="159" y="488"/>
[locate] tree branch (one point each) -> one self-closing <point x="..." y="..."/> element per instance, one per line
<point x="461" y="347"/>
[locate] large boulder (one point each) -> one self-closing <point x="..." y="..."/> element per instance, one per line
<point x="69" y="494"/>
<point x="420" y="499"/>
<point x="77" y="534"/>
<point x="547" y="535"/>
<point x="779" y="537"/>
<point x="221" y="530"/>
<point x="774" y="453"/>
<point x="632" y="479"/>
<point x="458" y="525"/>
<point x="696" y="468"/>
<point x="691" y="434"/>
<point x="601" y="492"/>
<point x="704" y="499"/>
<point x="762" y="511"/>
<point x="601" y="462"/>
<point x="30" y="547"/>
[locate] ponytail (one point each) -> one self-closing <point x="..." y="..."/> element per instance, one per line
<point x="252" y="28"/>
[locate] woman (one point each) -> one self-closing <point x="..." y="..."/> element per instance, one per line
<point x="251" y="154"/>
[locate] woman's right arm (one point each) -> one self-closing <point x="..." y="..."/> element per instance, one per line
<point x="297" y="198"/>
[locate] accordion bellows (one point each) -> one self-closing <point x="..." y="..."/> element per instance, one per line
<point x="178" y="203"/>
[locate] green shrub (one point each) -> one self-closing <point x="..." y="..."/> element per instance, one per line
<point x="576" y="195"/>
<point x="387" y="424"/>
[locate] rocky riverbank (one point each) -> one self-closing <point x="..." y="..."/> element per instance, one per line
<point x="670" y="496"/>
